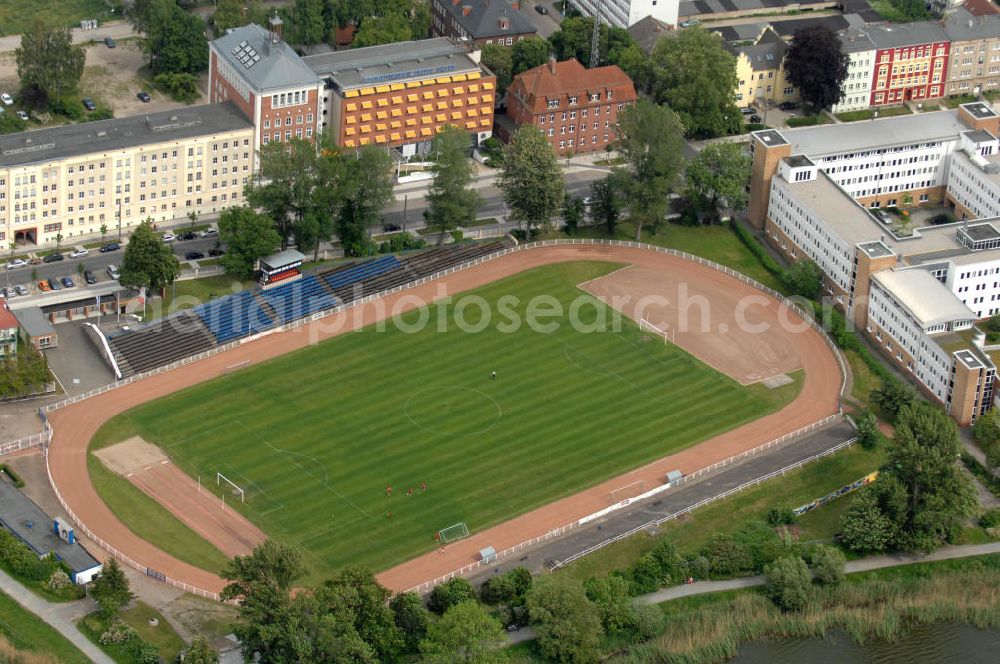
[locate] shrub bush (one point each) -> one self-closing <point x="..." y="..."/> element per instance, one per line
<point x="828" y="564"/>
<point x="788" y="583"/>
<point x="990" y="518"/>
<point x="400" y="242"/>
<point x="71" y="108"/>
<point x="780" y="516"/>
<point x="14" y="477"/>
<point x="756" y="248"/>
<point x="497" y="589"/>
<point x="181" y="87"/>
<point x="117" y="633"/>
<point x="450" y="593"/>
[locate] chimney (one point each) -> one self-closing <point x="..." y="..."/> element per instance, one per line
<point x="276" y="26"/>
<point x="552" y="64"/>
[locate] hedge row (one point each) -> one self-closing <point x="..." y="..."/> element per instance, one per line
<point x="14" y="477"/>
<point x="988" y="479"/>
<point x="756" y="248"/>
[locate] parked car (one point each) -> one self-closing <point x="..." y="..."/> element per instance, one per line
<point x="788" y="105"/>
<point x="21" y="289"/>
<point x="109" y="42"/>
<point x="587" y="200"/>
<point x="6" y="99"/>
<point x="690" y="23"/>
<point x="541" y="10"/>
<point x="89" y="277"/>
<point x="755" y="119"/>
<point x="17" y="264"/>
<point x="169" y="237"/>
<point x="113" y="271"/>
<point x="9" y="292"/>
<point x="79" y="252"/>
<point x="143" y="97"/>
<point x="44" y="286"/>
<point x="390" y="228"/>
<point x="211" y="231"/>
<point x="748" y="110"/>
<point x="53" y="258"/>
<point x="22" y="115"/>
<point x="215" y="253"/>
<point x="188" y="235"/>
<point x="88" y="103"/>
<point x="193" y="256"/>
<point x="54" y="284"/>
<point x="67" y="282"/>
<point x="108" y="248"/>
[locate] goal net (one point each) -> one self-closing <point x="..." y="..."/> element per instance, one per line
<point x="663" y="330"/>
<point x="221" y="479"/>
<point x="452" y="533"/>
<point x="632" y="490"/>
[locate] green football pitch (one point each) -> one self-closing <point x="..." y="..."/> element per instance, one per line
<point x="316" y="436"/>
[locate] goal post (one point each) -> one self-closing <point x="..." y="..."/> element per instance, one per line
<point x="237" y="491"/>
<point x="452" y="533"/>
<point x="632" y="490"/>
<point x="659" y="331"/>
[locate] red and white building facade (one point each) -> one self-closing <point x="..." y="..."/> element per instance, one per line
<point x="911" y="63"/>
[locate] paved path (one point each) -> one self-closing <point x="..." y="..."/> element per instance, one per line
<point x="62" y="617"/>
<point x="113" y="29"/>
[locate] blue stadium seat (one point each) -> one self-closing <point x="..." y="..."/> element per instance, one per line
<point x="235" y="315"/>
<point x="361" y="272"/>
<point x="299" y="298"/>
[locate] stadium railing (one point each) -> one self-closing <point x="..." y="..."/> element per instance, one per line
<point x="376" y="296"/>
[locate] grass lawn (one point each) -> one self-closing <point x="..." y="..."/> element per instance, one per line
<point x="808" y="120"/>
<point x="16" y="15"/>
<point x="864" y="379"/>
<point x="868" y="114"/>
<point x="888" y="12"/>
<point x="189" y="293"/>
<point x="167" y="641"/>
<point x="315" y="450"/>
<point x="27" y="632"/>
<point x="794" y="489"/>
<point x="958" y="100"/>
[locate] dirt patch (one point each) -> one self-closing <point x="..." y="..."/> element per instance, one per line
<point x="148" y="468"/>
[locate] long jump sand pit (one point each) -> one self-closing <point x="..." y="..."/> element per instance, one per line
<point x="727" y="330"/>
<point x="148" y="468"/>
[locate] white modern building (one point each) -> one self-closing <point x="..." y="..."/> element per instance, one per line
<point x="857" y="87"/>
<point x="624" y="13"/>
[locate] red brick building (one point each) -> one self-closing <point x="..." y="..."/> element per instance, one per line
<point x="575" y="107"/>
<point x="481" y="22"/>
<point x="911" y="62"/>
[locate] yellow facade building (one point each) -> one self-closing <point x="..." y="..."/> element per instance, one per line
<point x="760" y="72"/>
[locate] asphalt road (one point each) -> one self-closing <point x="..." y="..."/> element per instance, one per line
<point x="545" y="554"/>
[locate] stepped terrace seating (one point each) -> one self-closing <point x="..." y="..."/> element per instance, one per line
<point x="299" y="299"/>
<point x="435" y="260"/>
<point x="230" y="317"/>
<point x="159" y="343"/>
<point x="360" y="272"/>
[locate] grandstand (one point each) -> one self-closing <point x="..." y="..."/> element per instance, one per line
<point x="248" y="312"/>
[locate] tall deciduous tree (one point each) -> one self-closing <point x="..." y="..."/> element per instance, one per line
<point x="717" y="178"/>
<point x="529" y="53"/>
<point x="285" y="183"/>
<point x="499" y="60"/>
<point x="605" y="203"/>
<point x="111" y="590"/>
<point x="531" y="180"/>
<point x="466" y="633"/>
<point x="249" y="236"/>
<point x="147" y="262"/>
<point x="387" y="29"/>
<point x="200" y="652"/>
<point x="789" y="583"/>
<point x="48" y="61"/>
<point x="695" y="75"/>
<point x="574" y="36"/>
<point x="567" y="623"/>
<point x="357" y="599"/>
<point x="651" y="140"/>
<point x="173" y="39"/>
<point x="367" y="189"/>
<point x="308" y="23"/>
<point x="451" y="201"/>
<point x="816" y="65"/>
<point x="411" y="618"/>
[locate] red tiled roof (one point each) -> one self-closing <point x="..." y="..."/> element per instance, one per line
<point x="981" y="7"/>
<point x="557" y="80"/>
<point x="7" y="320"/>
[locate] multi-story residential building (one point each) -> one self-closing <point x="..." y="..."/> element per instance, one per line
<point x="910" y="62"/>
<point x="400" y="95"/>
<point x="481" y="22"/>
<point x="915" y="290"/>
<point x="72" y="179"/>
<point x="624" y="13"/>
<point x="975" y="52"/>
<point x="575" y="107"/>
<point x="261" y="74"/>
<point x="857" y="87"/>
<point x="760" y="71"/>
<point x="8" y="333"/>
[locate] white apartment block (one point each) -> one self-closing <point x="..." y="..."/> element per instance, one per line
<point x="624" y="13"/>
<point x="974" y="180"/>
<point x="73" y="179"/>
<point x="857" y="87"/>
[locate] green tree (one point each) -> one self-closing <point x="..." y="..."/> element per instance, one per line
<point x="816" y="65"/>
<point x="528" y="53"/>
<point x="367" y="189"/>
<point x="695" y="75"/>
<point x="451" y="201"/>
<point x="451" y="592"/>
<point x="200" y="652"/>
<point x="574" y="36"/>
<point x="465" y="633"/>
<point x="147" y="262"/>
<point x="307" y="19"/>
<point x="911" y="10"/>
<point x="49" y="61"/>
<point x="104" y="233"/>
<point x="499" y="60"/>
<point x="357" y="598"/>
<point x="651" y="141"/>
<point x="531" y="180"/>
<point x="567" y="623"/>
<point x="789" y="583"/>
<point x="803" y="278"/>
<point x="605" y="203"/>
<point x="228" y="14"/>
<point x="864" y="527"/>
<point x="286" y="184"/>
<point x="987" y="434"/>
<point x="387" y="29"/>
<point x="867" y="425"/>
<point x="573" y="212"/>
<point x="717" y="179"/>
<point x="173" y="39"/>
<point x="611" y="595"/>
<point x="261" y="582"/>
<point x="828" y="564"/>
<point x="249" y="236"/>
<point x="411" y="618"/>
<point x="181" y="86"/>
<point x="892" y="396"/>
<point x="11" y="124"/>
<point x="111" y="590"/>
